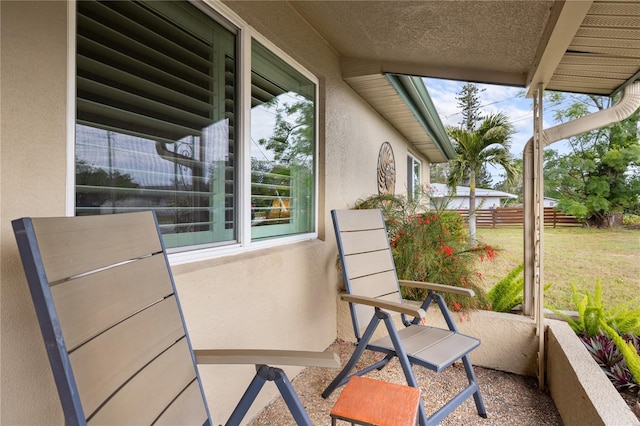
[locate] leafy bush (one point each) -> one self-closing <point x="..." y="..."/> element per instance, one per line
<point x="624" y="318"/>
<point x="610" y="335"/>
<point x="508" y="292"/>
<point x="605" y="352"/>
<point x="630" y="352"/>
<point x="432" y="246"/>
<point x="630" y="220"/>
<point x="395" y="209"/>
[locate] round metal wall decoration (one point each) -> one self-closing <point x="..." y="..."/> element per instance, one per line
<point x="386" y="170"/>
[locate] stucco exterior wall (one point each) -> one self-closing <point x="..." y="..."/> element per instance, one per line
<point x="283" y="297"/>
<point x="33" y="182"/>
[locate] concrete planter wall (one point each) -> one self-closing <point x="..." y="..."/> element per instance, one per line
<point x="580" y="389"/>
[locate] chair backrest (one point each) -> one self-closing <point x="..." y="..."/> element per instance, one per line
<point x="111" y="320"/>
<point x="367" y="262"/>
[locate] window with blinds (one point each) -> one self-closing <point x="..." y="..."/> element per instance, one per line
<point x="283" y="118"/>
<point x="156" y="112"/>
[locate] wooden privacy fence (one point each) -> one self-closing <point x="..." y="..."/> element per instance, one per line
<point x="514" y="217"/>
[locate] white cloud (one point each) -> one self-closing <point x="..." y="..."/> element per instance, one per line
<point x="505" y="99"/>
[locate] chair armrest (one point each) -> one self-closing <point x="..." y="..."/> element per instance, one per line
<point x="267" y="357"/>
<point x="402" y="308"/>
<point x="439" y="287"/>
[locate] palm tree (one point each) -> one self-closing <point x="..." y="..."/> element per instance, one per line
<point x="487" y="145"/>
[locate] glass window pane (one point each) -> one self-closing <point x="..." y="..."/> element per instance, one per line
<point x="413" y="178"/>
<point x="156" y="114"/>
<point x="416" y="178"/>
<point x="282" y="147"/>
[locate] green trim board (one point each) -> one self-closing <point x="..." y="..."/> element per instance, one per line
<point x="414" y="93"/>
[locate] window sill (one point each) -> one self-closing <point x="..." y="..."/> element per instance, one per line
<point x="192" y="256"/>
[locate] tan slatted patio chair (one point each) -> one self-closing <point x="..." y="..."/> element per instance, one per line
<point x="373" y="291"/>
<point x="113" y="328"/>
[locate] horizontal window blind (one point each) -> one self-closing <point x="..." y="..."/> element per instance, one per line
<point x="156" y="110"/>
<point x="127" y="70"/>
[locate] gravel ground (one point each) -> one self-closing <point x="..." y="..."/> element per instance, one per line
<point x="509" y="399"/>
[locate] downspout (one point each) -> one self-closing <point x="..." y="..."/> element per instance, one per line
<point x="627" y="105"/>
<point x="533" y="303"/>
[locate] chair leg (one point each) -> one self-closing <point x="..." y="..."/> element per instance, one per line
<point x="457" y="400"/>
<point x="343" y="376"/>
<point x="247" y="399"/>
<point x="291" y="398"/>
<point x="465" y="359"/>
<point x="405" y="364"/>
<point x="264" y="373"/>
<point x="472" y="379"/>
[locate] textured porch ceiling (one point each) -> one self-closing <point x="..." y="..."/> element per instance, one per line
<point x="604" y="53"/>
<point x="590" y="47"/>
<point x="574" y="46"/>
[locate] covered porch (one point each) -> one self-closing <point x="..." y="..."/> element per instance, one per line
<point x="578" y="392"/>
<point x="586" y="47"/>
<point x="368" y="58"/>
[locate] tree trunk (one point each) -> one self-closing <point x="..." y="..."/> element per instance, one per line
<point x="472" y="207"/>
<point x="605" y="220"/>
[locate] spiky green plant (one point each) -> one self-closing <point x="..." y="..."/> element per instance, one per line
<point x="625" y="318"/>
<point x="620" y="324"/>
<point x="627" y="349"/>
<point x="508" y="292"/>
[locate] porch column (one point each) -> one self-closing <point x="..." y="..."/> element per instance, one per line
<point x="538" y="256"/>
<point x="533" y="191"/>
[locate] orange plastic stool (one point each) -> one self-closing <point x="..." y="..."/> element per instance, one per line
<point x="373" y="402"/>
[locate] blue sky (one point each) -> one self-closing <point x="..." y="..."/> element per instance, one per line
<point x="505" y="99"/>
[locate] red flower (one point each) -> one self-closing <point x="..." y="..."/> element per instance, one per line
<point x="447" y="251"/>
<point x="491" y="253"/>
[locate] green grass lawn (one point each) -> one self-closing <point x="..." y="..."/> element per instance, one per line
<point x="572" y="255"/>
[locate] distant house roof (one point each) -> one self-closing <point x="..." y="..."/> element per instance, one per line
<point x="439" y="190"/>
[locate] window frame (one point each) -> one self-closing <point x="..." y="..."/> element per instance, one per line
<point x="411" y="190"/>
<point x="244" y="35"/>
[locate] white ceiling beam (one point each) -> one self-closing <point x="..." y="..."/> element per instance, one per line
<point x="356" y="67"/>
<point x="570" y="15"/>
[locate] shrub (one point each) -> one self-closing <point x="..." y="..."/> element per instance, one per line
<point x="605" y="352"/>
<point x="624" y="318"/>
<point x="610" y="335"/>
<point x="395" y="209"/>
<point x="432" y="246"/>
<point x="508" y="292"/>
<point x="628" y="350"/>
<point x="631" y="220"/>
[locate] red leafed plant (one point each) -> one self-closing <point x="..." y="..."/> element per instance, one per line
<point x="433" y="246"/>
